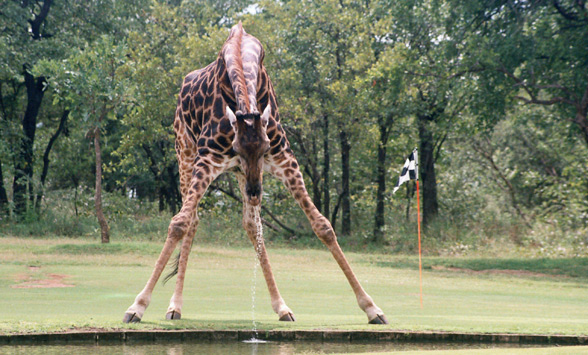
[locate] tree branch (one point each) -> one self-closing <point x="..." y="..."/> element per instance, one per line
<point x="567" y="14"/>
<point x="487" y="155"/>
<point x="232" y="195"/>
<point x="52" y="140"/>
<point x="39" y="19"/>
<point x="552" y="101"/>
<point x="533" y="97"/>
<point x="447" y="77"/>
<point x="584" y="101"/>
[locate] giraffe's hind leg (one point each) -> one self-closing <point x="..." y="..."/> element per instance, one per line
<point x="253" y="226"/>
<point x="286" y="169"/>
<point x="184" y="150"/>
<point x="174" y="311"/>
<point x="177" y="228"/>
<point x="182" y="226"/>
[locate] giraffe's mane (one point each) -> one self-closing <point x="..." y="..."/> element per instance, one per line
<point x="243" y="56"/>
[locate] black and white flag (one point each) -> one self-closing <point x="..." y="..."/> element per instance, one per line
<point x="410" y="170"/>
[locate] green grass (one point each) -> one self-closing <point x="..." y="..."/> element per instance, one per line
<point x="572" y="267"/>
<point x="219" y="282"/>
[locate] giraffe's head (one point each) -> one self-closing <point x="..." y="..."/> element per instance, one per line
<point x="251" y="144"/>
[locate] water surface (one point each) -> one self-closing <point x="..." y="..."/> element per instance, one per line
<point x="233" y="348"/>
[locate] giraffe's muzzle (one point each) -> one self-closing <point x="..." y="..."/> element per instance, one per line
<point x="253" y="192"/>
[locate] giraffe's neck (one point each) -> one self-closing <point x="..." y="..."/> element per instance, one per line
<point x="243" y="56"/>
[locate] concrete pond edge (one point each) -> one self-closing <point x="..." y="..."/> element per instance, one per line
<point x="128" y="336"/>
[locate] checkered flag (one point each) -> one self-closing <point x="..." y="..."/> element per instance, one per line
<point x="410" y="170"/>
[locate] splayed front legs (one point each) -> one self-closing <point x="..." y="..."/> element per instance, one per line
<point x="286" y="169"/>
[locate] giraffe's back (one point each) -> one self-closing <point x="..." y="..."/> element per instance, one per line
<point x="200" y="123"/>
<point x="237" y="79"/>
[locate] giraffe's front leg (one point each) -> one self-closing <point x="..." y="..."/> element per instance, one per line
<point x="253" y="226"/>
<point x="252" y="223"/>
<point x="286" y="169"/>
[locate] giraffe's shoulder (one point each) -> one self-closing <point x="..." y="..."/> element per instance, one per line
<point x="193" y="77"/>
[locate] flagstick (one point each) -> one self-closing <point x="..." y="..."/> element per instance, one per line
<point x="419" y="229"/>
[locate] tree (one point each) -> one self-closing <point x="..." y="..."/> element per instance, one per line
<point x="549" y="67"/>
<point x="35" y="90"/>
<point x="92" y="84"/>
<point x="45" y="30"/>
<point x="384" y="92"/>
<point x="440" y="71"/>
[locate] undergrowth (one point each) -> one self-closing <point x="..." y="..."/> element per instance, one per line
<point x="65" y="214"/>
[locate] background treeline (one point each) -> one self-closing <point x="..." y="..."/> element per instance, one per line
<point x="493" y="93"/>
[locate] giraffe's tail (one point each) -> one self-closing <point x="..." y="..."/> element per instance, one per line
<point x="173" y="269"/>
<point x="174" y="266"/>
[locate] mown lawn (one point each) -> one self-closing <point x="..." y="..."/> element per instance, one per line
<point x="459" y="293"/>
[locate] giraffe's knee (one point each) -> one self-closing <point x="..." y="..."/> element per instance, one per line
<point x="325" y="232"/>
<point x="177" y="229"/>
<point x="249" y="225"/>
<point x="179" y="226"/>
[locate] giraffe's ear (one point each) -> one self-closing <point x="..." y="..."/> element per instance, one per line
<point x="231" y="116"/>
<point x="266" y="115"/>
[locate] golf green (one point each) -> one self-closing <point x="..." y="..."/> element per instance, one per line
<point x="60" y="284"/>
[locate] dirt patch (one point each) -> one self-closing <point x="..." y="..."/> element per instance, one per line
<point x="36" y="279"/>
<point x="494" y="271"/>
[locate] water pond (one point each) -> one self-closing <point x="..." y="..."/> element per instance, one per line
<point x="269" y="348"/>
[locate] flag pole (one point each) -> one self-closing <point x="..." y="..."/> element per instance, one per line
<point x="420" y="253"/>
<point x="410" y="171"/>
<point x="416" y="158"/>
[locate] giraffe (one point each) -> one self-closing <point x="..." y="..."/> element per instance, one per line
<point x="219" y="128"/>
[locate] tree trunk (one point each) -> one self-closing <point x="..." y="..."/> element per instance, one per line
<point x="23" y="169"/>
<point x="326" y="168"/>
<point x="165" y="179"/>
<point x="379" y="221"/>
<point x="317" y="197"/>
<point x="345" y="199"/>
<point x="3" y="195"/>
<point x="582" y="121"/>
<point x="427" y="169"/>
<point x="409" y="193"/>
<point x="160" y="196"/>
<point x="104" y="230"/>
<point x="47" y="152"/>
<point x="174" y="200"/>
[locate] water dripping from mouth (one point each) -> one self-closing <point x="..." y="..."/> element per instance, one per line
<point x="258" y="241"/>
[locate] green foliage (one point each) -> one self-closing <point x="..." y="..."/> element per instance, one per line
<point x="91" y="82"/>
<point x="506" y="173"/>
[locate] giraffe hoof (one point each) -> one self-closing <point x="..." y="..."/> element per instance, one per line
<point x="131" y="318"/>
<point x="173" y="315"/>
<point x="379" y="319"/>
<point x="288" y="317"/>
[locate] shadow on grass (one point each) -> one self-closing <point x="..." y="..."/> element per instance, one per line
<point x="213" y="324"/>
